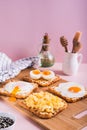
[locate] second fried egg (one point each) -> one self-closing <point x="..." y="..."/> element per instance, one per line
<point x="71" y="89"/>
<point x="18" y="87"/>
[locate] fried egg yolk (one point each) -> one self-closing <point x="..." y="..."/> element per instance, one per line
<point x="13" y="93"/>
<point x="74" y="89"/>
<point x="35" y="74"/>
<point x="15" y="90"/>
<point x="48" y="74"/>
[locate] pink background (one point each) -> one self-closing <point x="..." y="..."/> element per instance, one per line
<point x="24" y="22"/>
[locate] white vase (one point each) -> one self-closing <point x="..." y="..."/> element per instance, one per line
<point x="71" y="63"/>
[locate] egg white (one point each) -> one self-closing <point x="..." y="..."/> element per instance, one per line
<point x="35" y="76"/>
<point x="23" y="86"/>
<point x="63" y="90"/>
<point x="50" y="76"/>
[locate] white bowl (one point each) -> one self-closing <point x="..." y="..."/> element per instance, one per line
<point x="11" y="116"/>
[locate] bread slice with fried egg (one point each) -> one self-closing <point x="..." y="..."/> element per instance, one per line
<point x="69" y="91"/>
<point x="18" y="89"/>
<point x="43" y="104"/>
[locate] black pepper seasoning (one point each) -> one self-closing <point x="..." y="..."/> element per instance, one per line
<point x="46" y="58"/>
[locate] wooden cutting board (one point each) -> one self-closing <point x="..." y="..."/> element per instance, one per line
<point x="65" y="120"/>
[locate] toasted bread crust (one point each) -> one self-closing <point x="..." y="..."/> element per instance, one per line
<point x="42" y="82"/>
<point x="69" y="100"/>
<point x="43" y="114"/>
<point x="39" y="114"/>
<point x="18" y="95"/>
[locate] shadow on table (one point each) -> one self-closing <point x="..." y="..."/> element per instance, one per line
<point x="60" y="72"/>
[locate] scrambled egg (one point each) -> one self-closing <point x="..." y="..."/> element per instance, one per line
<point x="44" y="102"/>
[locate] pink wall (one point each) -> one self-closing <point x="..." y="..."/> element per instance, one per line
<point x="24" y="22"/>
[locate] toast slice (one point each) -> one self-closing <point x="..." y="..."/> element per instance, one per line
<point x="65" y="94"/>
<point x="43" y="104"/>
<point x="18" y="89"/>
<point x="42" y="82"/>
